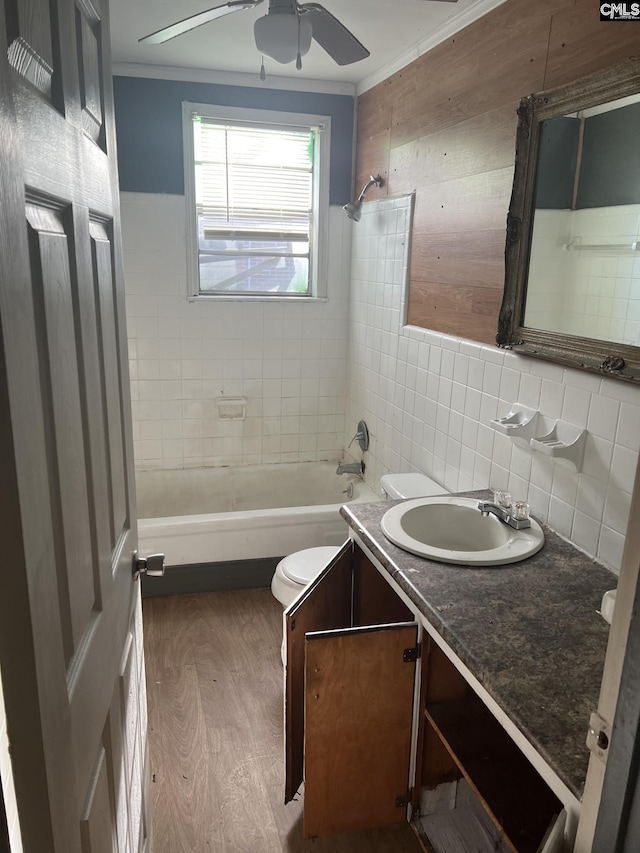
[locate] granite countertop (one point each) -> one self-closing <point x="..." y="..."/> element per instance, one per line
<point x="529" y="632"/>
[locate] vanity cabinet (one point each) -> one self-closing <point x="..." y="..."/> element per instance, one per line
<point x="475" y="781"/>
<point x="382" y="726"/>
<point x="351" y="652"/>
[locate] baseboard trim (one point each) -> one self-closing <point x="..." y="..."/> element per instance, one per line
<point x="209" y="577"/>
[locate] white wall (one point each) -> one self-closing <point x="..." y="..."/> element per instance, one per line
<point x="289" y="361"/>
<point x="428" y="399"/>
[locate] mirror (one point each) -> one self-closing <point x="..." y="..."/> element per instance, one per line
<point x="572" y="289"/>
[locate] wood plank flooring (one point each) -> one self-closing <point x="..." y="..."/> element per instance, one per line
<point x="215" y="682"/>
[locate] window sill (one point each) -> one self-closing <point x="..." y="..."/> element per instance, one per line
<point x="293" y="300"/>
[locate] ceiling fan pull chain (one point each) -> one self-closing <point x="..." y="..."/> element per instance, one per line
<point x="298" y="57"/>
<point x="263" y="73"/>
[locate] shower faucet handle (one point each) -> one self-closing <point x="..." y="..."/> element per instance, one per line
<point x="361" y="436"/>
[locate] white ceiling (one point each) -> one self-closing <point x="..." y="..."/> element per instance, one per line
<point x="394" y="31"/>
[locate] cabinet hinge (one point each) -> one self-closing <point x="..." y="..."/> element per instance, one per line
<point x="403" y="800"/>
<point x="412" y="655"/>
<point x="598" y="736"/>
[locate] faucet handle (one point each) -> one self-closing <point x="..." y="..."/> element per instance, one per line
<point x="520" y="510"/>
<point x="502" y="497"/>
<point x="361" y="436"/>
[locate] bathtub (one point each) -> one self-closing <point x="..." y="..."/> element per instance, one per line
<point x="214" y="515"/>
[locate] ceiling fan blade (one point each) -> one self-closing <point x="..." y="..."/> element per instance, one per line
<point x="180" y="27"/>
<point x="341" y="45"/>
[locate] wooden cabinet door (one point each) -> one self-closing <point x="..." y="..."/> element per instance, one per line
<point x="325" y="604"/>
<point x="359" y="693"/>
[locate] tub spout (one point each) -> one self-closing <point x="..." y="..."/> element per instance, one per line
<point x="351" y="468"/>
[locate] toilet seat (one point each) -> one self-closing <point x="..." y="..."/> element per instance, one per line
<point x="296" y="571"/>
<point x="304" y="566"/>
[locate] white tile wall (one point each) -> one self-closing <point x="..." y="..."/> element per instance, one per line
<point x="428" y="399"/>
<point x="289" y="361"/>
<point x="589" y="292"/>
<point x="8" y="788"/>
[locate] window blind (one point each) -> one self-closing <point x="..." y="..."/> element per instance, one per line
<point x="253" y="176"/>
<point x="254" y="200"/>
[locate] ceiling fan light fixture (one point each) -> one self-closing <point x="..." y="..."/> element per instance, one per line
<point x="282" y="36"/>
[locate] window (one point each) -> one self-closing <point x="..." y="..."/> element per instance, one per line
<point x="256" y="186"/>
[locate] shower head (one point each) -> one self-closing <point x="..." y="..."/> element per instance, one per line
<point x="354" y="208"/>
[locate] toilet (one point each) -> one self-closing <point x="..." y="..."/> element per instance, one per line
<point x="296" y="571"/>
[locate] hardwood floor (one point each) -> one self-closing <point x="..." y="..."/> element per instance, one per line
<point x="214" y="681"/>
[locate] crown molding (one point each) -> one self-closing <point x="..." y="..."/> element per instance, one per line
<point x="232" y="78"/>
<point x="450" y="28"/>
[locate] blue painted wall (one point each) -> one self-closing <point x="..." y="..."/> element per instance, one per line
<point x="149" y="128"/>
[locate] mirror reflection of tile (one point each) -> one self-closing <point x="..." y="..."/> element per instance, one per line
<point x="584" y="273"/>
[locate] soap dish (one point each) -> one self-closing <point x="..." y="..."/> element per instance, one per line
<point x="231" y="408"/>
<point x="519" y="423"/>
<point x="565" y="441"/>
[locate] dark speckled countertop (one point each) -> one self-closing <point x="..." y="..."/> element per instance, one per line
<point x="529" y="632"/>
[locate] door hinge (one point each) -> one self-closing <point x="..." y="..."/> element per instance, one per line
<point x="403" y="800"/>
<point x="412" y="655"/>
<point x="598" y="736"/>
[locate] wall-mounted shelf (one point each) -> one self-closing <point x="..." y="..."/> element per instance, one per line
<point x="564" y="441"/>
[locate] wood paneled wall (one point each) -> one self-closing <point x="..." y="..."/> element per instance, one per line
<point x="445" y="126"/>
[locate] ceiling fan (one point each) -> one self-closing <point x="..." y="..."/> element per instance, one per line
<point x="284" y="33"/>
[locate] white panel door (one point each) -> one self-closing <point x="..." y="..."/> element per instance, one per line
<point x="70" y="621"/>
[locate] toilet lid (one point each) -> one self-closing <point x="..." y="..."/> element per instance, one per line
<point x="303" y="566"/>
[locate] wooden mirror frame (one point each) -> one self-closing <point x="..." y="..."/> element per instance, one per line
<point x="604" y="357"/>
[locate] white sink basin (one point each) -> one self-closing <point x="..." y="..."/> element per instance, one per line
<point x="449" y="529"/>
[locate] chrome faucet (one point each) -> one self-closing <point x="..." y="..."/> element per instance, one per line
<point x="504" y="514"/>
<point x="351" y="468"/>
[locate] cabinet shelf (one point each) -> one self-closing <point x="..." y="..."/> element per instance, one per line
<point x="515" y="796"/>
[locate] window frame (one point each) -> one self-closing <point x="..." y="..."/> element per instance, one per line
<point x="319" y="232"/>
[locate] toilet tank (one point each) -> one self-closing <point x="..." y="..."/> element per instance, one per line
<point x="399" y="486"/>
